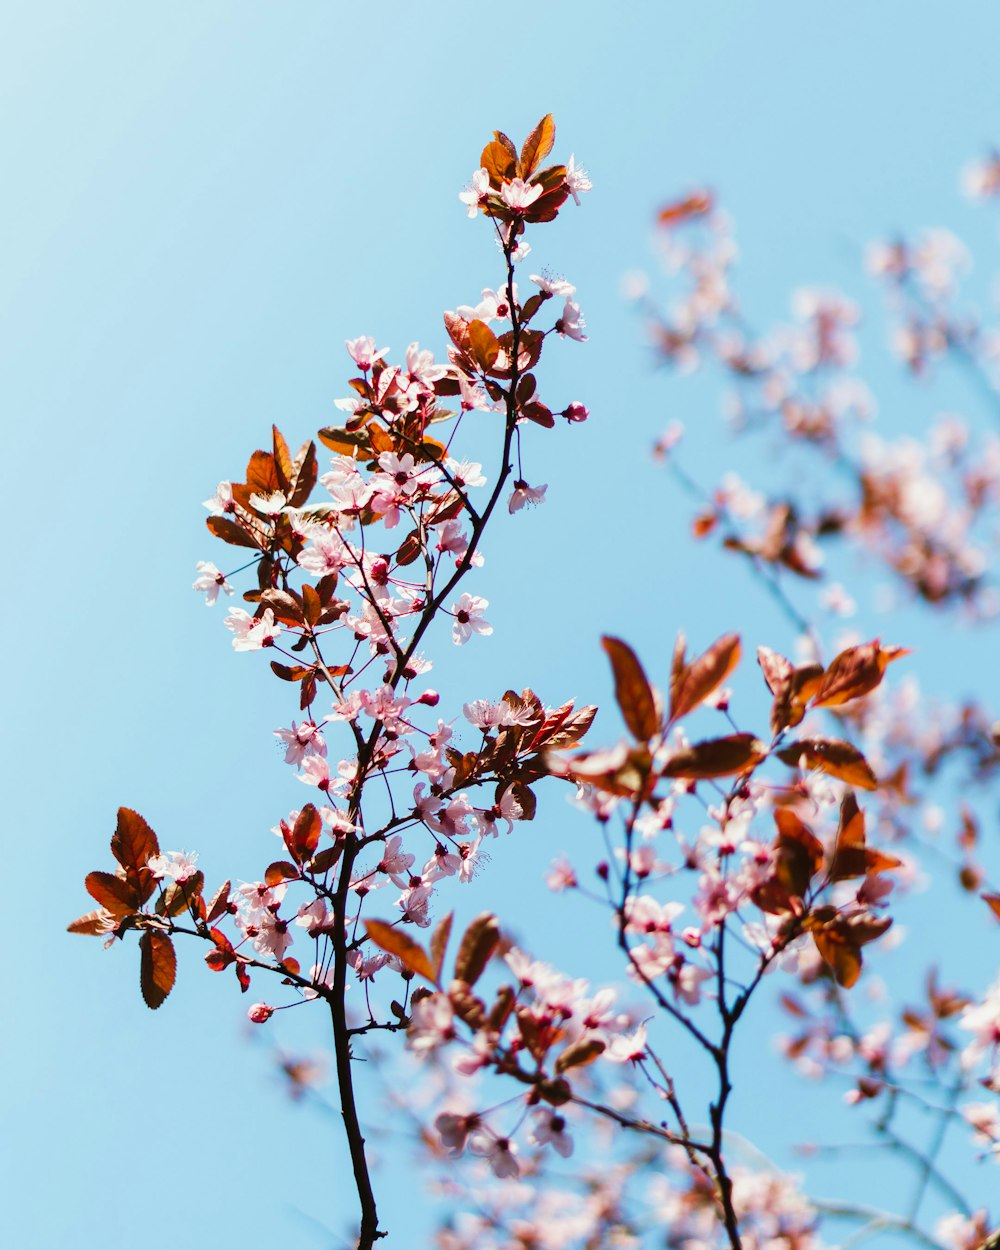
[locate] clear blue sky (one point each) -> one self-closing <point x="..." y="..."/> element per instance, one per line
<point x="201" y="201"/>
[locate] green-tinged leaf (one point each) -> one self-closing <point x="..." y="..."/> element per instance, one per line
<point x="399" y="943"/>
<point x="831" y="755"/>
<point x="632" y="690"/>
<point x="439" y="944"/>
<point x="717" y="757"/>
<point x="479" y="943"/>
<point x="222" y="527"/>
<point x="158" y="967"/>
<point x="695" y="681"/>
<point x="182" y="896"/>
<point x="579" y="1054"/>
<point x="537" y="146"/>
<point x="117" y="895"/>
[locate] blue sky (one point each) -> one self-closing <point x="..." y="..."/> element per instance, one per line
<point x="202" y="201"/>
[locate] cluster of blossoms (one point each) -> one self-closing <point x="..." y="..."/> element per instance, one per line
<point x="925" y="508"/>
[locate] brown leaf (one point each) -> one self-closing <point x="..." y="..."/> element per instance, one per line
<point x="851" y="855"/>
<point x="499" y="163"/>
<point x="991" y="900"/>
<point x="132" y="845"/>
<point x="716" y="757"/>
<point x="831" y="755"/>
<point x="280" y="870"/>
<point x="236" y="535"/>
<point x="484" y="345"/>
<point x="94" y="923"/>
<point x="696" y="681"/>
<point x="479" y="942"/>
<point x="262" y="474"/>
<point x="632" y="690"/>
<point x="579" y="1054"/>
<point x="306" y="471"/>
<point x="157" y="968"/>
<point x="439" y="944"/>
<point x="303" y="838"/>
<point x="219" y="903"/>
<point x="537" y="146"/>
<point x="286" y="607"/>
<point x="282" y="460"/>
<point x="410" y="953"/>
<point x="115" y="894"/>
<point x="855" y="672"/>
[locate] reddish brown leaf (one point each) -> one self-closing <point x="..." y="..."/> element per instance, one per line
<point x="439" y="944"/>
<point x="132" y="845"/>
<point x="499" y="163"/>
<point x="579" y="1054"/>
<point x="236" y="535"/>
<point x="306" y="472"/>
<point x="696" y="681"/>
<point x="287" y="608"/>
<point x="303" y="838"/>
<point x="116" y="895"/>
<point x="399" y="943"/>
<point x="218" y="904"/>
<point x="991" y="900"/>
<point x="632" y="690"/>
<point x="483" y="344"/>
<point x="716" y="757"/>
<point x="280" y="870"/>
<point x="831" y="755"/>
<point x="223" y="954"/>
<point x="855" y="672"/>
<point x="157" y="967"/>
<point x="262" y="474"/>
<point x="479" y="942"/>
<point x="93" y="924"/>
<point x="851" y="856"/>
<point x="537" y="146"/>
<point x="282" y="460"/>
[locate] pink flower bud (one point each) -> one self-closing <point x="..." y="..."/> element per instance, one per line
<point x="430" y="698"/>
<point x="260" y="1013"/>
<point x="575" y="412"/>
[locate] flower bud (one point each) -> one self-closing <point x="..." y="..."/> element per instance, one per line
<point x="260" y="1013"/>
<point x="575" y="412"/>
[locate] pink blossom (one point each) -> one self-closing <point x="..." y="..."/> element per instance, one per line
<point x="577" y="179"/>
<point x="626" y="1047"/>
<point x="476" y="192"/>
<point x="362" y="352"/>
<point x="259" y="1013"/>
<point x="469" y="619"/>
<point x="222" y="501"/>
<point x="519" y="195"/>
<point x="252" y="633"/>
<point x="431" y="1024"/>
<point x="523" y="494"/>
<point x="550" y="286"/>
<point x="173" y="865"/>
<point x="210" y="582"/>
<point x="571" y="324"/>
<point x="301" y="740"/>
<point x="499" y="1152"/>
<point x="549" y="1129"/>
